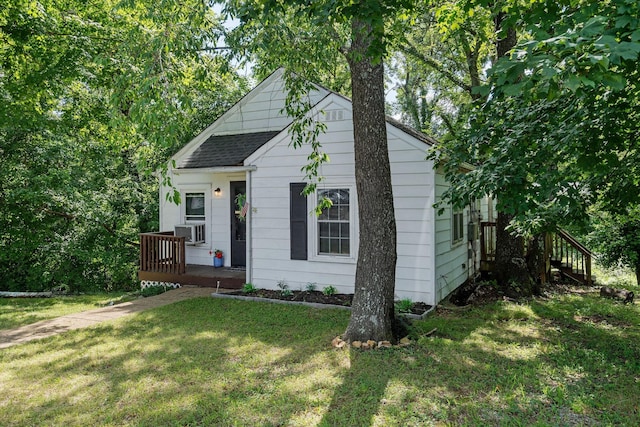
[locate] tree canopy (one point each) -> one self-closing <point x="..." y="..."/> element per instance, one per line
<point x="94" y="97"/>
<point x="438" y="61"/>
<point x="559" y="129"/>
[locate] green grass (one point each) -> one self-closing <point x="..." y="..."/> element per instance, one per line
<point x="622" y="278"/>
<point x="16" y="312"/>
<point x="569" y="360"/>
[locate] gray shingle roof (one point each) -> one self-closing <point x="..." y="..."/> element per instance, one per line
<point x="226" y="150"/>
<point x="411" y="131"/>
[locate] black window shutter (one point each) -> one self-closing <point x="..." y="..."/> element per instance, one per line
<point x="298" y="220"/>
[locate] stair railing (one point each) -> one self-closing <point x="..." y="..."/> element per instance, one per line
<point x="573" y="258"/>
<point x="561" y="248"/>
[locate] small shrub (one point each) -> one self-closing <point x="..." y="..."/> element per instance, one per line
<point x="404" y="305"/>
<point x="286" y="292"/>
<point x="152" y="291"/>
<point x="311" y="287"/>
<point x="248" y="288"/>
<point x="329" y="290"/>
<point x="284" y="288"/>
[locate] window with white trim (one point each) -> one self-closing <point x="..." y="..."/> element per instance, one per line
<point x="457" y="226"/>
<point x="194" y="206"/>
<point x="334" y="234"/>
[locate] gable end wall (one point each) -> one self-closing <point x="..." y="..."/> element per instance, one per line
<point x="278" y="165"/>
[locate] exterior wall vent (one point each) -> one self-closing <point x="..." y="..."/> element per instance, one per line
<point x="334" y="115"/>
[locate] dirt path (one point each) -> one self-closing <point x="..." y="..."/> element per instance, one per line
<point x="46" y="328"/>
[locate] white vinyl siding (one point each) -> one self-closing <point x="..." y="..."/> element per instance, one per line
<point x="261" y="110"/>
<point x="278" y="164"/>
<point x="451" y="260"/>
<point x="217" y="218"/>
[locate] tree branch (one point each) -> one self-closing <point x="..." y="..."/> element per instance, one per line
<point x="410" y="49"/>
<point x="70" y="217"/>
<point x="471" y="57"/>
<point x="448" y="124"/>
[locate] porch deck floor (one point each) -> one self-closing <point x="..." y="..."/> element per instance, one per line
<point x="200" y="275"/>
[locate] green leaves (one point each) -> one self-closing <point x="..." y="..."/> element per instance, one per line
<point x="313" y="41"/>
<point x="559" y="130"/>
<point x="439" y="70"/>
<point x="95" y="95"/>
<point x="616" y="237"/>
<point x="591" y="45"/>
<point x="594" y="26"/>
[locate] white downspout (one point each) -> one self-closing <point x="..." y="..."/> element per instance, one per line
<point x="249" y="234"/>
<point x="434" y="253"/>
<point x="160" y="205"/>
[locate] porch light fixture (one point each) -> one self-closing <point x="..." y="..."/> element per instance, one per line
<point x="217" y="192"/>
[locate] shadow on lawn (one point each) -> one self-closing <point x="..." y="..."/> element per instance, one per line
<point x="357" y="399"/>
<point x="203" y="362"/>
<point x="29" y="309"/>
<point x="547" y="365"/>
<point x="222" y="362"/>
<point x="601" y="332"/>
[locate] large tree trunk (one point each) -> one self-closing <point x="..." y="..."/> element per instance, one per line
<point x="511" y="267"/>
<point x="511" y="270"/>
<point x="507" y="36"/>
<point x="372" y="315"/>
<point x="536" y="262"/>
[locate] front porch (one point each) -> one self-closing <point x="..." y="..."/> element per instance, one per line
<point x="163" y="259"/>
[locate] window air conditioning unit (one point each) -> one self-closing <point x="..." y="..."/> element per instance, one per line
<point x="193" y="233"/>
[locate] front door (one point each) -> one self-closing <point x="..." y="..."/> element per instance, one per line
<point x="238" y="224"/>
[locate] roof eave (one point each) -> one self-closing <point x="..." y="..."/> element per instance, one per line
<point x="216" y="169"/>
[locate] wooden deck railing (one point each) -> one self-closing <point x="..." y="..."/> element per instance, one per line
<point x="561" y="249"/>
<point x="162" y="252"/>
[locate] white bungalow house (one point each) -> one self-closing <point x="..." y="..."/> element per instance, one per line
<point x="247" y="152"/>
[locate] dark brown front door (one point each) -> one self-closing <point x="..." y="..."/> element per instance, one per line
<point x="238" y="224"/>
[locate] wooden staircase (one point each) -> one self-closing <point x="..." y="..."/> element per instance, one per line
<point x="561" y="250"/>
<point x="569" y="256"/>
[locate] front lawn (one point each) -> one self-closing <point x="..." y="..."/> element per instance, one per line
<point x="16" y="312"/>
<point x="572" y="359"/>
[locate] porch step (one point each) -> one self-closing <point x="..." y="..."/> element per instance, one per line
<point x="200" y="275"/>
<point x="570" y="274"/>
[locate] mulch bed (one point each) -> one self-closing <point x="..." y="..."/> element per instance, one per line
<point x="318" y="297"/>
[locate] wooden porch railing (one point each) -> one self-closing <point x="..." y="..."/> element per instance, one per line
<point x="162" y="252"/>
<point x="561" y="249"/>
